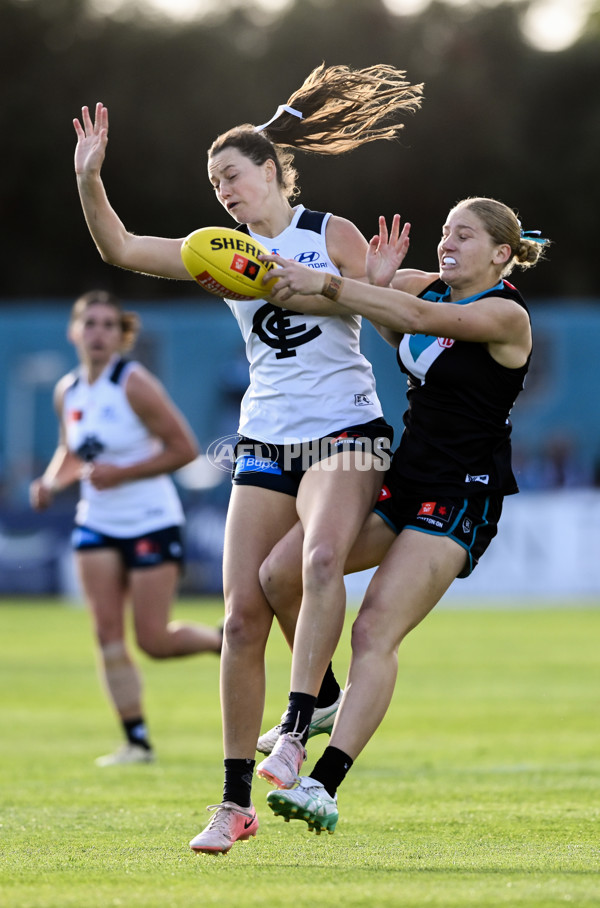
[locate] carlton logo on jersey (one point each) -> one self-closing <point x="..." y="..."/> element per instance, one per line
<point x="89" y="448"/>
<point x="274" y="328"/>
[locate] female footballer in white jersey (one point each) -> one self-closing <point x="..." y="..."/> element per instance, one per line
<point x="120" y="435"/>
<point x="311" y="396"/>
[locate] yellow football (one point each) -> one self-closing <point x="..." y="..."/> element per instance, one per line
<point x="225" y="262"/>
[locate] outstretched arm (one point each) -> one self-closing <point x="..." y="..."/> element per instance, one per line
<point x="384" y="255"/>
<point x="157" y="256"/>
<point x="347" y="248"/>
<point x="501" y="323"/>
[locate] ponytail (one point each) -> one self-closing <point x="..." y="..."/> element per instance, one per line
<point x="335" y="110"/>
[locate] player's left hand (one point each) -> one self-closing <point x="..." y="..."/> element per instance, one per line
<point x="386" y="252"/>
<point x="292" y="278"/>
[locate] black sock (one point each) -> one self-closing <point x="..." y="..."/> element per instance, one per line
<point x="331" y="768"/>
<point x="136" y="732"/>
<point x="299" y="714"/>
<point x="329" y="690"/>
<point x="238" y="781"/>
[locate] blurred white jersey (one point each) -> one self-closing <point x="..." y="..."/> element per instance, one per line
<point x="101" y="426"/>
<point x="308" y="377"/>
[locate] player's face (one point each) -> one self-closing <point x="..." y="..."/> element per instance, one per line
<point x="241" y="186"/>
<point x="467" y="253"/>
<point x="97" y="333"/>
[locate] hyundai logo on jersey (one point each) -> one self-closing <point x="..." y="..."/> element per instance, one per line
<point x="305" y="258"/>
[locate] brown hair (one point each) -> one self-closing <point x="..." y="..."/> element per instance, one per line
<point x="341" y="109"/>
<point x="504" y="227"/>
<point x="130" y="321"/>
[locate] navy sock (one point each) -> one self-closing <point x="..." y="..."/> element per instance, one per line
<point x="329" y="690"/>
<point x="136" y="732"/>
<point x="238" y="781"/>
<point x="299" y="714"/>
<point x="331" y="768"/>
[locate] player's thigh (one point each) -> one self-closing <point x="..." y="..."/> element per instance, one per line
<point x="335" y="497"/>
<point x="372" y="544"/>
<point x="104" y="582"/>
<point x="257" y="519"/>
<point x="413" y="576"/>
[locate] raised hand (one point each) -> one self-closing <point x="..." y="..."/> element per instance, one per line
<point x="92" y="138"/>
<point x="386" y="252"/>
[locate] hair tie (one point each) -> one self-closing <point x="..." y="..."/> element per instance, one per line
<point x="277" y="114"/>
<point x="534" y="235"/>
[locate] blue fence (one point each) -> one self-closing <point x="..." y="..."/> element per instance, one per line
<point x="197" y="351"/>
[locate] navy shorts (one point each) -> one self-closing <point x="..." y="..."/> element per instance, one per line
<point x="147" y="550"/>
<point x="281" y="467"/>
<point x="471" y="522"/>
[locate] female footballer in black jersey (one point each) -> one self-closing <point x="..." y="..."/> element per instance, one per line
<point x="463" y="337"/>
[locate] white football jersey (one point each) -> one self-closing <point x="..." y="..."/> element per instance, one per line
<point x="307" y="374"/>
<point x="101" y="426"/>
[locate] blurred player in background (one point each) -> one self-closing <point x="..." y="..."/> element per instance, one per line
<point x="463" y="337"/>
<point x="120" y="435"/>
<point x="309" y="383"/>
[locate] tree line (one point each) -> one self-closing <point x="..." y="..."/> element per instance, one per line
<point x="499" y="118"/>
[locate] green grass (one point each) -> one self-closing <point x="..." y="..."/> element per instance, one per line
<point x="481" y="788"/>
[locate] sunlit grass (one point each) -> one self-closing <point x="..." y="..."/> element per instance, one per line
<point x="480" y="789"/>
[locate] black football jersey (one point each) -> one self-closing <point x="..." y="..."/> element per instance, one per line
<point x="457" y="426"/>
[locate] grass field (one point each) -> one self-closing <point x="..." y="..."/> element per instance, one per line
<point x="482" y="787"/>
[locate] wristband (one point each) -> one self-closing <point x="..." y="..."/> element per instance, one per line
<point x="332" y="287"/>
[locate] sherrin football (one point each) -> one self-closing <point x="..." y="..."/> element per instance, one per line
<point x="225" y="262"/>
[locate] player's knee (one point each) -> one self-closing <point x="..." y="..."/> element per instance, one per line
<point x="157" y="646"/>
<point x="246" y="625"/>
<point x="279" y="583"/>
<point x="321" y="564"/>
<point x="371" y="635"/>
